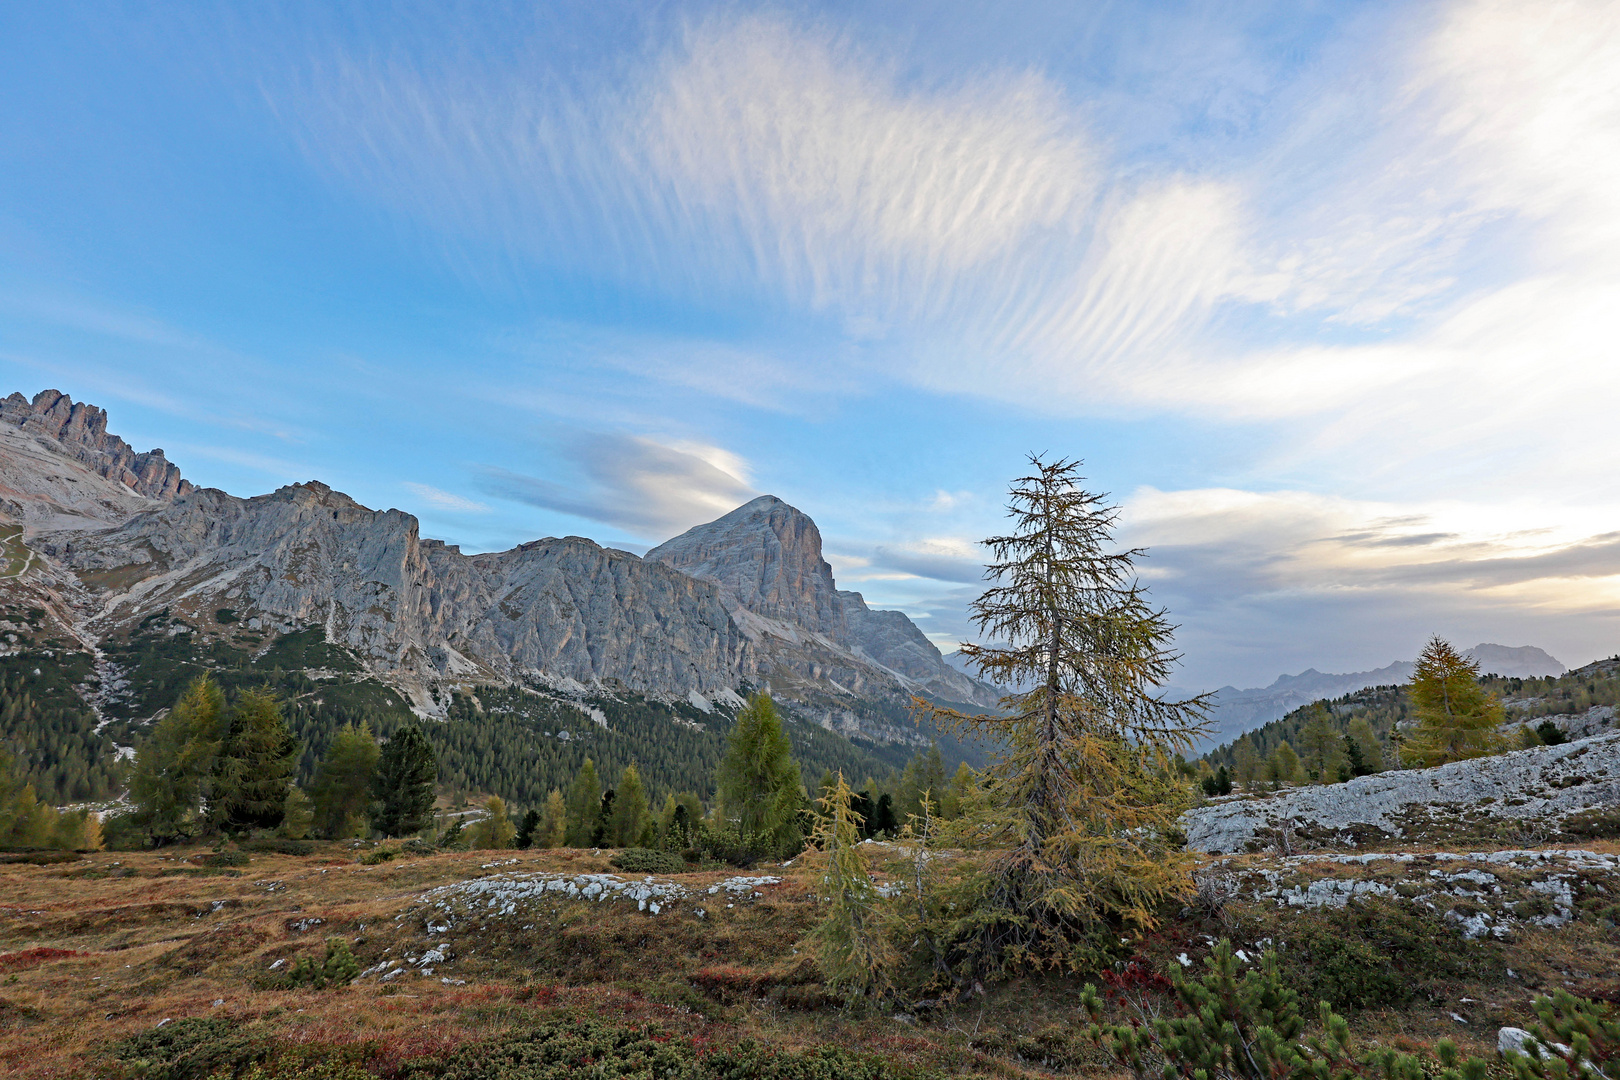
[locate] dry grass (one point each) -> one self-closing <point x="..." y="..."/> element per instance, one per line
<point x="108" y="947"/>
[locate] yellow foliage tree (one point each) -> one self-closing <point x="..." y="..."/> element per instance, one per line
<point x="851" y="941"/>
<point x="1457" y="717"/>
<point x="1083" y="801"/>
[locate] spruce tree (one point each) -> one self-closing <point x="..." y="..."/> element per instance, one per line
<point x="343" y="782"/>
<point x="403" y="791"/>
<point x="759" y="784"/>
<point x="1084" y="798"/>
<point x="173" y="765"/>
<point x="584" y="807"/>
<point x="526" y="829"/>
<point x="1457" y="717"/>
<point x="254" y="768"/>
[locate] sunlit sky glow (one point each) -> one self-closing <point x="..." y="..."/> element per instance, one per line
<point x="1326" y="295"/>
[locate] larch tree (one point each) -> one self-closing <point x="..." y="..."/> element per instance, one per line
<point x="173" y="766"/>
<point x="495" y="828"/>
<point x="1457" y="717"/>
<point x="851" y="941"/>
<point x="759" y="784"/>
<point x="403" y="788"/>
<point x="1322" y="746"/>
<point x="1085" y="794"/>
<point x="342" y="787"/>
<point x="553" y="830"/>
<point x="629" y="815"/>
<point x="584" y="807"/>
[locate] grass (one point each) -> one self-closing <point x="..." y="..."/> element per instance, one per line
<point x="100" y="951"/>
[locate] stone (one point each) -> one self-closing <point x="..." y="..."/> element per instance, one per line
<point x="1543" y="783"/>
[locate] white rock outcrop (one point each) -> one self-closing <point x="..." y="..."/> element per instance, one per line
<point x="1546" y="783"/>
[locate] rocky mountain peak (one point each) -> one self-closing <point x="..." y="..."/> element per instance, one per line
<point x="81" y="429"/>
<point x="768" y="555"/>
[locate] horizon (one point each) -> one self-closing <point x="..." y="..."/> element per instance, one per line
<point x="1324" y="297"/>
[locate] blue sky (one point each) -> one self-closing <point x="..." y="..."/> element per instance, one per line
<point x="1326" y="295"/>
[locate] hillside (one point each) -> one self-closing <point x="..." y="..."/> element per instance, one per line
<point x="1235" y="711"/>
<point x="1580" y="702"/>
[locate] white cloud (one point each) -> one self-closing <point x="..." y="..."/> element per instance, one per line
<point x="440" y="499"/>
<point x="652" y="489"/>
<point x="1270" y="582"/>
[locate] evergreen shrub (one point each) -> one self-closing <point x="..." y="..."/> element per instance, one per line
<point x="646" y="861"/>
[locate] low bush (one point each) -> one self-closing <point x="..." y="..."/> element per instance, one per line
<point x="277" y="845"/>
<point x="40" y="858"/>
<point x="338" y="969"/>
<point x="189" y="1049"/>
<point x="224" y="858"/>
<point x="381" y="855"/>
<point x="647" y="861"/>
<point x="561" y="1051"/>
<point x="1251" y="1028"/>
<point x="1598" y="823"/>
<point x="1380" y="953"/>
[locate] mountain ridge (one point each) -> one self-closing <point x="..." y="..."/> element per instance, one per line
<point x="123" y="536"/>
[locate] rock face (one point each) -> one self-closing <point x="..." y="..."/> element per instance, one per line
<point x="766" y="556"/>
<point x="81" y="431"/>
<point x="745" y="599"/>
<point x="1546" y="783"/>
<point x="417" y="612"/>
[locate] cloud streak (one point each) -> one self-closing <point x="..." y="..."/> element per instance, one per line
<point x="651" y="489"/>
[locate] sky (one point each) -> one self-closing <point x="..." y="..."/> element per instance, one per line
<point x="1326" y="296"/>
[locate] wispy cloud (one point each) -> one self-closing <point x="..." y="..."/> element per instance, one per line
<point x="651" y="489"/>
<point x="440" y="499"/>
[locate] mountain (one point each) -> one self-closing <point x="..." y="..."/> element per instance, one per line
<point x="1237" y="711"/>
<point x="766" y="558"/>
<point x="124" y="540"/>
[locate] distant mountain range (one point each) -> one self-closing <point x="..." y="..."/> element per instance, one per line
<point x="746" y="600"/>
<point x="1236" y="712"/>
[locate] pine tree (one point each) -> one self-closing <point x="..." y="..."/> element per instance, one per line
<point x="851" y="945"/>
<point x="526" y="829"/>
<point x="1457" y="717"/>
<point x="629" y="810"/>
<point x="403" y="791"/>
<point x="253" y="770"/>
<point x="173" y="765"/>
<point x="1369" y="753"/>
<point x="342" y="787"/>
<point x="1085" y="795"/>
<point x="759" y="784"/>
<point x="584" y="807"/>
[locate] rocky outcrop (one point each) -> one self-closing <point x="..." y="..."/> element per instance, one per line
<point x="81" y="431"/>
<point x="768" y="555"/>
<point x="1545" y="784"/>
<point x="893" y="640"/>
